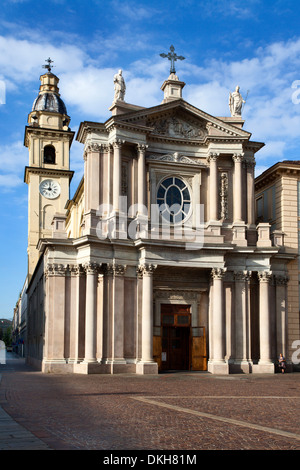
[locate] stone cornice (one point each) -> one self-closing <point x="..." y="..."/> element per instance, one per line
<point x="46" y="172"/>
<point x="48" y="132"/>
<point x="277" y="171"/>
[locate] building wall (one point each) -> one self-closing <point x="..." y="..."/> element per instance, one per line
<point x="278" y="203"/>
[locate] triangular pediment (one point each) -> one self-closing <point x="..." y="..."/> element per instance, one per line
<point x="180" y="120"/>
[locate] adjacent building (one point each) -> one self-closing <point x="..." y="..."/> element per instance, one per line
<point x="156" y="262"/>
<point x="277" y="197"/>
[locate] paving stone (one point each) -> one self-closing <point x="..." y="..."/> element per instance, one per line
<point x="174" y="411"/>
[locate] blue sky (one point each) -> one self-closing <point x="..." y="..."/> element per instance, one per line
<point x="253" y="44"/>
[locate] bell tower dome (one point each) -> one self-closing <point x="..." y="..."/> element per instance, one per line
<point x="48" y="139"/>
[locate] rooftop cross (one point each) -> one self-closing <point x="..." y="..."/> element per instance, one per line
<point x="48" y="66"/>
<point x="172" y="56"/>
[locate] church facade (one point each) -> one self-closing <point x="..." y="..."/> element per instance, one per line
<point x="156" y="263"/>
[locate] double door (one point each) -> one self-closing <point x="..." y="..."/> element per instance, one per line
<point x="179" y="347"/>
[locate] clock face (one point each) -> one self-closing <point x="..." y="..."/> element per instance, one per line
<point x="50" y="189"/>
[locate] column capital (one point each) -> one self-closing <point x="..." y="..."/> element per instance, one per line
<point x="242" y="275"/>
<point x="212" y="157"/>
<point x="249" y="163"/>
<point x="91" y="267"/>
<point x="264" y="276"/>
<point x="55" y="269"/>
<point x="142" y="148"/>
<point x="238" y="157"/>
<point x="218" y="273"/>
<point x="146" y="269"/>
<point x="93" y="147"/>
<point x="281" y="279"/>
<point x="112" y="269"/>
<point x="119" y="269"/>
<point x="76" y="269"/>
<point x="117" y="144"/>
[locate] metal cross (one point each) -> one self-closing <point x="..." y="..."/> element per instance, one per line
<point x="48" y="66"/>
<point x="172" y="56"/>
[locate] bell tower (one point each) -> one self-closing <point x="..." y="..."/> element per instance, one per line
<point x="48" y="139"/>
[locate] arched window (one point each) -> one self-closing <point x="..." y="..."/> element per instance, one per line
<point x="49" y="154"/>
<point x="173" y="199"/>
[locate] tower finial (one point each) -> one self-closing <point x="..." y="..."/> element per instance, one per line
<point x="48" y="65"/>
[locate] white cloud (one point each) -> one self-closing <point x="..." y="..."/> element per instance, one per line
<point x="270" y="113"/>
<point x="10" y="181"/>
<point x="13" y="157"/>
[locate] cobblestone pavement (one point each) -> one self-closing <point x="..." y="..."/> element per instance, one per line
<point x="171" y="411"/>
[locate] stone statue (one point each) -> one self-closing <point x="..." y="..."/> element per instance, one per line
<point x="236" y="102"/>
<point x="120" y="86"/>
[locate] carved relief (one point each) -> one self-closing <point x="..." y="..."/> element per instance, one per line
<point x="174" y="158"/>
<point x="124" y="179"/>
<point x="223" y="193"/>
<point x="175" y="127"/>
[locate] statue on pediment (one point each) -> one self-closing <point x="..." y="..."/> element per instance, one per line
<point x="236" y="102"/>
<point x="120" y="86"/>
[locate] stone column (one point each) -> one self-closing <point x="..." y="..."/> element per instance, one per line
<point x="118" y="316"/>
<point x="54" y="360"/>
<point x="238" y="188"/>
<point x="117" y="163"/>
<point x="213" y="186"/>
<point x="250" y="165"/>
<point x="217" y="364"/>
<point x="242" y="333"/>
<point x="265" y="361"/>
<point x="147" y="365"/>
<point x="76" y="324"/>
<point x="107" y="314"/>
<point x="281" y="315"/>
<point x="91" y="312"/>
<point x="142" y="176"/>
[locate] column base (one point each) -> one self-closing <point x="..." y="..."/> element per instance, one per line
<point x="218" y="367"/>
<point x="264" y="368"/>
<point x="103" y="368"/>
<point x="56" y="366"/>
<point x="241" y="367"/>
<point x="147" y="368"/>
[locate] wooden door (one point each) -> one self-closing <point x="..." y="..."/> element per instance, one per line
<point x="199" y="356"/>
<point x="175" y="344"/>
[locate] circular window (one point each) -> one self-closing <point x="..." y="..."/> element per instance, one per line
<point x="174" y="200"/>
